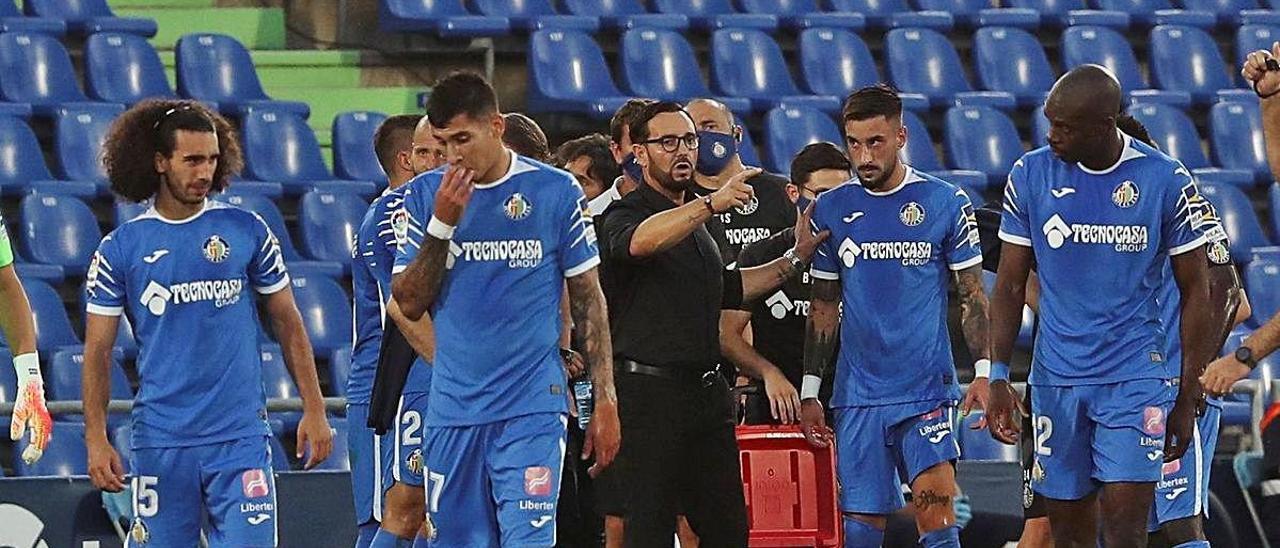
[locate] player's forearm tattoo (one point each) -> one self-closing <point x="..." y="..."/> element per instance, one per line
<point x="820" y="331"/>
<point x="758" y="280"/>
<point x="418" y="286"/>
<point x="973" y="311"/>
<point x="929" y="498"/>
<point x="591" y="325"/>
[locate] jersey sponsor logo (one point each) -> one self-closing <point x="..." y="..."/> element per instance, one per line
<point x="255" y="483"/>
<point x="1125" y="195"/>
<point x="744" y="236"/>
<point x="216" y="249"/>
<point x="1178" y="485"/>
<point x="155" y="256"/>
<point x="1171" y="467"/>
<point x="540" y="522"/>
<point x="780" y="305"/>
<point x="1174" y="493"/>
<point x="1155" y="455"/>
<point x="252" y="507"/>
<point x="516" y="253"/>
<point x="1153" y="420"/>
<point x="749" y="207"/>
<point x="1122" y="238"/>
<point x="258" y="519"/>
<point x="157" y="297"/>
<point x="853" y="217"/>
<point x="537" y="481"/>
<point x="517" y="207"/>
<point x="1150" y="442"/>
<point x="911" y="214"/>
<point x="1062" y="192"/>
<point x="535" y="505"/>
<point x="936" y="432"/>
<point x="907" y="253"/>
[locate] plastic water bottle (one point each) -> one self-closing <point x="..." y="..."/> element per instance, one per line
<point x="583" y="399"/>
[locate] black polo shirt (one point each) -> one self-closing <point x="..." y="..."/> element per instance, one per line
<point x="769" y="212"/>
<point x="664" y="310"/>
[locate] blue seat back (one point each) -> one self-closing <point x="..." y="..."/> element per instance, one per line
<point x="919" y="152"/>
<point x="353" y="155"/>
<point x="924" y="61"/>
<point x="8" y="380"/>
<point x="514" y="9"/>
<point x="339" y="371"/>
<point x="1187" y="59"/>
<point x="604" y="8"/>
<point x="21" y="160"/>
<point x="71" y="10"/>
<point x="790" y="129"/>
<point x="1238" y="218"/>
<point x="982" y="139"/>
<point x="326" y="312"/>
<point x="694" y="8"/>
<point x="217" y="68"/>
<point x="835" y="62"/>
<point x="58" y="230"/>
<point x="1039" y="128"/>
<point x="1173" y="132"/>
<point x="123" y="68"/>
<point x="568" y="64"/>
<point x="1012" y="60"/>
<point x="747" y="151"/>
<point x="37" y="70"/>
<point x="9" y="9"/>
<point x="1235" y="129"/>
<point x="779" y="7"/>
<point x="53" y="328"/>
<point x="340" y="459"/>
<point x="979" y="445"/>
<point x="270" y="214"/>
<point x="280" y="147"/>
<point x="958" y="8"/>
<point x="1049" y="9"/>
<point x="64" y="456"/>
<point x="276" y="381"/>
<point x="66" y="368"/>
<point x="1273" y="208"/>
<point x="872" y="9"/>
<point x="328" y="222"/>
<point x="1250" y="38"/>
<point x="1220" y="7"/>
<point x="1139" y="9"/>
<point x="78" y="138"/>
<point x="1262" y="283"/>
<point x="125" y="211"/>
<point x="660" y="63"/>
<point x="748" y="63"/>
<point x="1087" y="44"/>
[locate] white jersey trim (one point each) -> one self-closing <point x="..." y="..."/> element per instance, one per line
<point x="1015" y="239"/>
<point x="275" y="287"/>
<point x="1189" y="246"/>
<point x="151" y="213"/>
<point x="965" y="264"/>
<point x="398" y="269"/>
<point x="823" y="274"/>
<point x="583" y="267"/>
<point x="1127" y="153"/>
<point x="515" y="168"/>
<point x="103" y="310"/>
<point x="910" y="176"/>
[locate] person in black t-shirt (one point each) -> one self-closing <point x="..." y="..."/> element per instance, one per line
<point x="778" y="319"/>
<point x="769" y="210"/>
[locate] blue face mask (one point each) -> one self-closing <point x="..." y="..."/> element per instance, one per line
<point x="714" y="151"/>
<point x="632" y="168"/>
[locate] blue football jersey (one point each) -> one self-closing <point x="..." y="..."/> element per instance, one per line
<point x="893" y="253"/>
<point x="188" y="286"/>
<point x="497" y="318"/>
<point x="1101" y="240"/>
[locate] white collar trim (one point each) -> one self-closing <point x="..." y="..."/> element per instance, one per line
<point x="910" y="176"/>
<point x="151" y="213"/>
<point x="1126" y="153"/>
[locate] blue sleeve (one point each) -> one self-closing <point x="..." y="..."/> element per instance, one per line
<point x="826" y="261"/>
<point x="578" y="250"/>
<point x="962" y="249"/>
<point x="267" y="273"/>
<point x="376" y="243"/>
<point x="104" y="282"/>
<point x="1015" y="221"/>
<point x="1183" y="214"/>
<point x="413" y="215"/>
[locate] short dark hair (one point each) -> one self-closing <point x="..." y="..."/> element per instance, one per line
<point x="817" y="157"/>
<point x="391" y="138"/>
<point x="871" y="101"/>
<point x="595" y="147"/>
<point x="621" y="120"/>
<point x="524" y="136"/>
<point x="461" y="93"/>
<point x="638" y="129"/>
<point x="151" y="126"/>
<point x="1133" y="128"/>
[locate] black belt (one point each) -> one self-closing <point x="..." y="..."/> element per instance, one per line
<point x="706" y="377"/>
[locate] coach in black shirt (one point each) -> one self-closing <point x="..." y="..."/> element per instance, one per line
<point x="677" y="422"/>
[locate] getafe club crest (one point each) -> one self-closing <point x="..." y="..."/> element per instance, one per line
<point x="911" y="214"/>
<point x="749" y="207"/>
<point x="1218" y="253"/>
<point x="1125" y="195"/>
<point x="139" y="533"/>
<point x="414" y="461"/>
<point x="400" y="226"/>
<point x="517" y="207"/>
<point x="216" y="249"/>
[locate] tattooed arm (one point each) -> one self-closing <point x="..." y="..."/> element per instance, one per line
<point x="416" y="289"/>
<point x="820" y="337"/>
<point x="973" y="311"/>
<point x="591" y="325"/>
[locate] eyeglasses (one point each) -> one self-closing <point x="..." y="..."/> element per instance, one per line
<point x="670" y="143"/>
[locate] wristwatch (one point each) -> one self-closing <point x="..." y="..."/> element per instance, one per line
<point x="796" y="263"/>
<point x="1244" y="355"/>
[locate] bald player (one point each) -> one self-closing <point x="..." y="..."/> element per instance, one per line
<point x="1098" y="212"/>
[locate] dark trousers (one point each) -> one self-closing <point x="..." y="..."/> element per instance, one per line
<point x="577" y="523"/>
<point x="679" y="455"/>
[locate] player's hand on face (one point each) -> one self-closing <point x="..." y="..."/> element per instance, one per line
<point x="315" y="438"/>
<point x="784" y="399"/>
<point x="1265" y="82"/>
<point x="105" y="469"/>
<point x="604" y="436"/>
<point x="1004" y="413"/>
<point x="806" y="241"/>
<point x="977" y="397"/>
<point x="1179" y="429"/>
<point x="814" y="423"/>
<point x="453" y="194"/>
<point x="1221" y="374"/>
<point x="735" y="192"/>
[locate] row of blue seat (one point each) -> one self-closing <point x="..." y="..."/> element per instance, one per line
<point x="80" y="17"/>
<point x="450" y="18"/>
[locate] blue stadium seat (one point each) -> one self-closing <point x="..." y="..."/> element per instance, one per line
<point x="8" y="382"/>
<point x="326" y="312"/>
<point x="747" y="150"/>
<point x="126" y="345"/>
<point x="924" y="61"/>
<point x="789" y="129"/>
<point x="65" y="455"/>
<point x="1173" y="131"/>
<point x="625" y="14"/>
<point x="447" y="18"/>
<point x="1039" y="128"/>
<point x="1053" y="13"/>
<point x="353" y="155"/>
<point x="65" y="369"/>
<point x="1012" y="60"/>
<point x="660" y="64"/>
<point x="965" y="12"/>
<point x="78" y="137"/>
<point x="1187" y="59"/>
<point x="22" y="167"/>
<point x="123" y="68"/>
<point x="125" y="211"/>
<point x="835" y="62"/>
<point x="979" y="445"/>
<point x="1262" y="283"/>
<point x="919" y="152"/>
<point x="1273" y="212"/>
<point x="748" y="63"/>
<point x="339" y="371"/>
<point x="1238" y="218"/>
<point x="89" y="17"/>
<point x="277" y="383"/>
<point x="217" y="68"/>
<point x="1144" y="13"/>
<point x="804" y="14"/>
<point x="58" y="230"/>
<point x="1251" y="38"/>
<point x="1235" y="131"/>
<point x="121" y="438"/>
<point x="327" y="224"/>
<point x="280" y="147"/>
<point x="38" y="72"/>
<point x="883" y="14"/>
<point x="716" y="14"/>
<point x="339" y="460"/>
<point x="982" y="139"/>
<point x="1089" y="44"/>
<point x="12" y="20"/>
<point x="53" y="328"/>
<point x="52" y="274"/>
<point x="270" y="214"/>
<point x="569" y="74"/>
<point x="532" y="15"/>
<point x="1228" y="11"/>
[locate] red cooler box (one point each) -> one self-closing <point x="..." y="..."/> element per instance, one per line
<point x="790" y="487"/>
